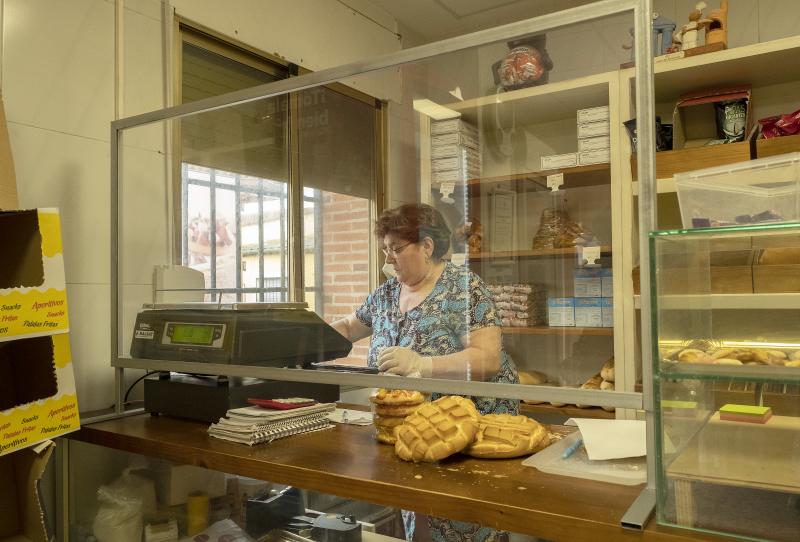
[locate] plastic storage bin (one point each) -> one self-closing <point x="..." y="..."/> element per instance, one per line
<point x="752" y="192"/>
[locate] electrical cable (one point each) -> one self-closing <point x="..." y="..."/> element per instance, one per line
<point x="128" y="391"/>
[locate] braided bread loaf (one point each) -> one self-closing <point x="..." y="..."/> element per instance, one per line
<point x="437" y="430"/>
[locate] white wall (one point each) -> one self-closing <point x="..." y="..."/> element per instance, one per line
<point x="58" y="83"/>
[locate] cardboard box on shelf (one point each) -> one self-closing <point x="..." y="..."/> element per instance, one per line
<point x="594" y="144"/>
<point x="588" y="312"/>
<point x="559" y="161"/>
<point x="668" y="163"/>
<point x="33" y="297"/>
<point x="461" y="160"/>
<point x="447" y="126"/>
<point x="37" y="391"/>
<point x="593" y="114"/>
<point x="777" y="271"/>
<point x="607" y="282"/>
<point x="694" y="125"/>
<point x="594" y="129"/>
<point x="174" y="483"/>
<point x="694" y="119"/>
<point x="561" y="311"/>
<point x="465" y="139"/>
<point x="22" y="517"/>
<point x="588" y="282"/>
<point x="607" y="310"/>
<point x="725" y="272"/>
<point x="600" y="156"/>
<point x="777" y="145"/>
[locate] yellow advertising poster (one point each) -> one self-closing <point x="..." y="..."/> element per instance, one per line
<point x="38" y="400"/>
<point x="33" y="299"/>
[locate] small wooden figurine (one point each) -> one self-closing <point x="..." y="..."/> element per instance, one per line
<point x="717" y="31"/>
<point x="688" y="35"/>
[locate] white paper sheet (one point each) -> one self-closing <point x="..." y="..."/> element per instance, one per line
<point x="353" y="417"/>
<point x="612" y="439"/>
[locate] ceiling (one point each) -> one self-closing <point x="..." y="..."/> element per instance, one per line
<point x="423" y="21"/>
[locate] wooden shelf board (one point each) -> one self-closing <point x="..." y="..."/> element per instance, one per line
<point x="663" y="186"/>
<point x="754" y="64"/>
<point x="540" y="104"/>
<point x="547" y="330"/>
<point x="540" y="253"/>
<point x="569" y="411"/>
<point x="574" y="177"/>
<point x="771" y="468"/>
<point x="728" y="301"/>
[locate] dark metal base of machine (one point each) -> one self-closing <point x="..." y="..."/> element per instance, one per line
<point x="207" y="399"/>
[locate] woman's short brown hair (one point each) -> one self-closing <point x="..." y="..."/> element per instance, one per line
<point x="414" y="222"/>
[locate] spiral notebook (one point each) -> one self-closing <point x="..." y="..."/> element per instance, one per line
<point x="251" y="429"/>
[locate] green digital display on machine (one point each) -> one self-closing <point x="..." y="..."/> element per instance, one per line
<point x="192" y="334"/>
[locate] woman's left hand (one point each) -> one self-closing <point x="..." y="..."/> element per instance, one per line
<point x="403" y="361"/>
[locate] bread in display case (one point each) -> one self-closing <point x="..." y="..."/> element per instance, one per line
<point x="727" y="389"/>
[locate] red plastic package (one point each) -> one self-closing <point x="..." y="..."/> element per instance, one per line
<point x="789" y="124"/>
<point x="780" y="125"/>
<point x="522" y="66"/>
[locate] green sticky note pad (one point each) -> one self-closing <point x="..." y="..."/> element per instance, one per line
<point x="748" y="410"/>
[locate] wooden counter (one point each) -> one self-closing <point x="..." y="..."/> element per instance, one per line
<point x="348" y="462"/>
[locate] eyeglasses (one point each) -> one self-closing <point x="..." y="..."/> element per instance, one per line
<point x="394" y="251"/>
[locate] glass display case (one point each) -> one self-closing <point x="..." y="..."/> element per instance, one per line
<point x="726" y="363"/>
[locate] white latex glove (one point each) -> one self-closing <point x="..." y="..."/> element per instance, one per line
<point x="403" y="361"/>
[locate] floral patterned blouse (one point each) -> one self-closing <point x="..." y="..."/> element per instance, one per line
<point x="458" y="305"/>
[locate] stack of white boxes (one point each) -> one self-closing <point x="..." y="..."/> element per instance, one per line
<point x="455" y="152"/>
<point x="594" y="141"/>
<point x="594" y="291"/>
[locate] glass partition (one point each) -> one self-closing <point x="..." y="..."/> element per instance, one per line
<point x="512" y="136"/>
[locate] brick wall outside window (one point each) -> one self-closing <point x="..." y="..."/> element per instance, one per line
<point x="345" y="248"/>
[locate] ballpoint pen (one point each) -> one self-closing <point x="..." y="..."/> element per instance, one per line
<point x="572" y="448"/>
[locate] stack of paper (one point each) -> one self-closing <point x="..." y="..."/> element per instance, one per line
<point x="254" y="425"/>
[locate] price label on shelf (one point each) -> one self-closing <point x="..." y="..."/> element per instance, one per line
<point x="554" y="181"/>
<point x="590" y="255"/>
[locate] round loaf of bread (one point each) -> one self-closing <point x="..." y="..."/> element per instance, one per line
<point x="437" y="430"/>
<point x="395" y="410"/>
<point x="397" y="397"/>
<point x="793" y="363"/>
<point x="536" y="401"/>
<point x="532" y="378"/>
<point x="386" y="435"/>
<point x="504" y="435"/>
<point x="591" y="384"/>
<point x="387" y="421"/>
<point x="727" y="361"/>
<point x="607" y="372"/>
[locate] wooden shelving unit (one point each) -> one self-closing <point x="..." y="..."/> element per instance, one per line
<point x="546" y="330"/>
<point x="569" y="411"/>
